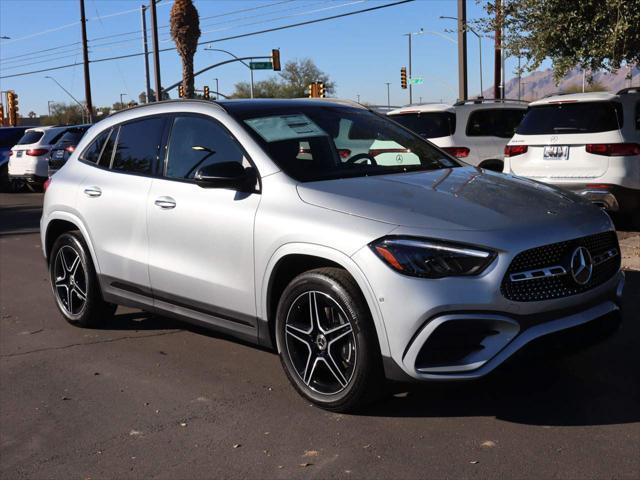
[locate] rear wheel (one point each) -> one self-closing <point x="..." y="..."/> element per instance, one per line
<point x="74" y="282"/>
<point x="326" y="340"/>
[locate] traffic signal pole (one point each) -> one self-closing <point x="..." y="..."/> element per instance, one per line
<point x="85" y="56"/>
<point x="410" y="73"/>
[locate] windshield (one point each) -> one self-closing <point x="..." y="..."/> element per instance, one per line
<point x="428" y="124"/>
<point x="579" y="117"/>
<point x="313" y="143"/>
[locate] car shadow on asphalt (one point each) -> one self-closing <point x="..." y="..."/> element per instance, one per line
<point x="599" y="385"/>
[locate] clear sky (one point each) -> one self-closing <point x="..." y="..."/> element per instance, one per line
<point x="360" y="52"/>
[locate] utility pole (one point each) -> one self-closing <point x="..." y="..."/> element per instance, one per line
<point x="156" y="53"/>
<point x="217" y="89"/>
<point x="145" y="48"/>
<point x="388" y="95"/>
<point x="497" y="62"/>
<point x="85" y="55"/>
<point x="462" y="50"/>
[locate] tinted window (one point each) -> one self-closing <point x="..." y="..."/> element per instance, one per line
<point x="92" y="153"/>
<point x="582" y="117"/>
<point x="71" y="137"/>
<point x="30" y="137"/>
<point x="494" y="123"/>
<point x="300" y="139"/>
<point x="138" y="145"/>
<point x="196" y="142"/>
<point x="10" y="136"/>
<point x="428" y="124"/>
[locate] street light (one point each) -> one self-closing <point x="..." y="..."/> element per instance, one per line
<point x="467" y="27"/>
<point x="409" y="35"/>
<point x="121" y="102"/>
<point x="217" y="89"/>
<point x="84" y="107"/>
<point x="388" y="94"/>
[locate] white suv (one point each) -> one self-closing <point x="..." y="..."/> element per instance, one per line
<point x="29" y="160"/>
<point x="585" y="142"/>
<point x="475" y="131"/>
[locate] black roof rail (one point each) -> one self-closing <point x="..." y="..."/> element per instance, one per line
<point x="628" y="90"/>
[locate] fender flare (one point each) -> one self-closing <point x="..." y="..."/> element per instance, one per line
<point x="337" y="257"/>
<point x="75" y="219"/>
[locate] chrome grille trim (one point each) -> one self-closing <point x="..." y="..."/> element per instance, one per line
<point x="546" y="272"/>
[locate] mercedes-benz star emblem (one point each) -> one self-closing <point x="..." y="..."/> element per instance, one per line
<point x="581" y="265"/>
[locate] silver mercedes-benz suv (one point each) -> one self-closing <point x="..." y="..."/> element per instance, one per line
<point x="274" y="221"/>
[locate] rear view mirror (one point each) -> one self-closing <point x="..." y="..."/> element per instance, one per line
<point x="231" y="175"/>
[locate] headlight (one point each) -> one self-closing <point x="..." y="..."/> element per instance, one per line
<point x="431" y="258"/>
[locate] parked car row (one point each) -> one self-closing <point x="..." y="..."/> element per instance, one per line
<point x="588" y="143"/>
<point x="29" y="156"/>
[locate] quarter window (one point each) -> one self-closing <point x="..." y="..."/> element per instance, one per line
<point x="501" y="122"/>
<point x="92" y="153"/>
<point x="196" y="142"/>
<point x="138" y="145"/>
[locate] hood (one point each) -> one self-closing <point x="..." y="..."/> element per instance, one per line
<point x="464" y="198"/>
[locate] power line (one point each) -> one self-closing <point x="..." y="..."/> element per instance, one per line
<point x="26" y="56"/>
<point x="233" y="37"/>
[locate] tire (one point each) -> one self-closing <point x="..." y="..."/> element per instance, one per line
<point x="74" y="283"/>
<point x="337" y="365"/>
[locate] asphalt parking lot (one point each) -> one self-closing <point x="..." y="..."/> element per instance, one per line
<point x="151" y="397"/>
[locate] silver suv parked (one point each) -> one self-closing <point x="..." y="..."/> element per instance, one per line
<point x="245" y="217"/>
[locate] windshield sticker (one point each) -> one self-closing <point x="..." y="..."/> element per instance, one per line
<point x="285" y="127"/>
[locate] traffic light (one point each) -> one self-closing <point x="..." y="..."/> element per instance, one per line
<point x="275" y="59"/>
<point x="403" y="77"/>
<point x="312" y="89"/>
<point x="12" y="107"/>
<point x="1" y="115"/>
<point x="205" y="92"/>
<point x="180" y="91"/>
<point x="322" y="92"/>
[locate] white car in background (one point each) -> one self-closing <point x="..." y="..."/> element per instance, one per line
<point x="29" y="160"/>
<point x="585" y="142"/>
<point x="475" y="131"/>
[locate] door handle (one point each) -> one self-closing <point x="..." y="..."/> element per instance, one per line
<point x="166" y="203"/>
<point x="92" y="191"/>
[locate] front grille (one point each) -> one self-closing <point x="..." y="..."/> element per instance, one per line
<point x="603" y="247"/>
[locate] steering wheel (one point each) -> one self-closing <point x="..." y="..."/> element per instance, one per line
<point x="362" y="156"/>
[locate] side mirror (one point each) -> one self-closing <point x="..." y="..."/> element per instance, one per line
<point x="231" y="175"/>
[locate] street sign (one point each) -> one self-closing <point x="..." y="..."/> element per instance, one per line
<point x="261" y="65"/>
<point x="416" y="81"/>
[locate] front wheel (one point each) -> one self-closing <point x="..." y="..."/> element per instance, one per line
<point x="74" y="282"/>
<point x="327" y="342"/>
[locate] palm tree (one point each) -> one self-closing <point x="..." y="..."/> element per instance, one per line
<point x="185" y="31"/>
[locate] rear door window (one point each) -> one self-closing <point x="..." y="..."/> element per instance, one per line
<point x="428" y="124"/>
<point x="498" y="122"/>
<point x="578" y="117"/>
<point x="33" y="136"/>
<point x="138" y="146"/>
<point x="71" y="137"/>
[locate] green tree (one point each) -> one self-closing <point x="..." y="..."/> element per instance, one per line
<point x="65" y="114"/>
<point x="185" y="31"/>
<point x="594" y="34"/>
<point x="591" y="87"/>
<point x="291" y="82"/>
